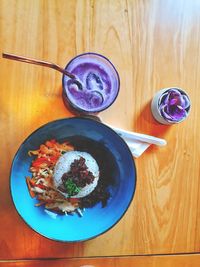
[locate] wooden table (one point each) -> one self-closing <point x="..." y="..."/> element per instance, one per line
<point x="153" y="44"/>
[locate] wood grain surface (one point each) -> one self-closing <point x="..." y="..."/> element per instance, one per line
<point x="153" y="44"/>
<point x="139" y="261"/>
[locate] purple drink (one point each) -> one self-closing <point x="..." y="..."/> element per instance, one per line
<point x="96" y="85"/>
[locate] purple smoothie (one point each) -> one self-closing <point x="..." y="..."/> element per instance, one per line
<point x="97" y="84"/>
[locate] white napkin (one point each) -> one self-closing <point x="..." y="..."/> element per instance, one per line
<point x="138" y="142"/>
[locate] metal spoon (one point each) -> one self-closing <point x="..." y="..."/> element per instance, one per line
<point x="38" y="62"/>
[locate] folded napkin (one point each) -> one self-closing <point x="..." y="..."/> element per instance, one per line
<point x="138" y="142"/>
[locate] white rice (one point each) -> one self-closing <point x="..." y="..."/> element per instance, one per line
<point x="63" y="166"/>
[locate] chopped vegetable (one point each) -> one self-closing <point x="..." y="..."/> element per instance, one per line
<point x="32" y="194"/>
<point x="41" y="184"/>
<point x="71" y="188"/>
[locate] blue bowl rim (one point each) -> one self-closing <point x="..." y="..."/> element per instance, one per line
<point x="80" y="109"/>
<point x="123" y="213"/>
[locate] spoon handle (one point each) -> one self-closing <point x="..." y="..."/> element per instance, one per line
<point x="37" y="62"/>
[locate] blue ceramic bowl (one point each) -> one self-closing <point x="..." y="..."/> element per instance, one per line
<point x="96" y="220"/>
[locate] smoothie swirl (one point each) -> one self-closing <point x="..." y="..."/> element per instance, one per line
<point x="96" y="86"/>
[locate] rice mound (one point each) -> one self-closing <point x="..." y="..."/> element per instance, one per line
<point x="63" y="165"/>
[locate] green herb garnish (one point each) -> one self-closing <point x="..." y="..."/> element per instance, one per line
<point x="71" y="188"/>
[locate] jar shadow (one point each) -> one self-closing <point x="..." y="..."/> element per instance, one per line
<point x="145" y="123"/>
